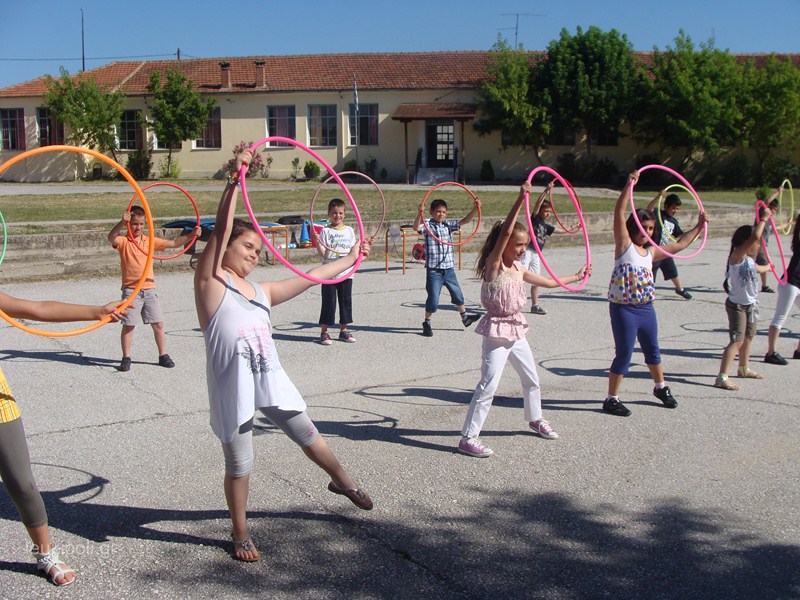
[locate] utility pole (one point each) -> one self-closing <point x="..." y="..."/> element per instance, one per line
<point x="516" y="26"/>
<point x="83" y="45"/>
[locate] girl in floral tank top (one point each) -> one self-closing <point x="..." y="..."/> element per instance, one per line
<point x="503" y="294"/>
<point x="631" y="294"/>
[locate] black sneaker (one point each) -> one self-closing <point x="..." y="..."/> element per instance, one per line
<point x="125" y="365"/>
<point x="796" y="354"/>
<point x="165" y="361"/>
<point x="767" y="290"/>
<point x="469" y="318"/>
<point x="614" y="407"/>
<point x="776" y="359"/>
<point x="684" y="293"/>
<point x="427" y="330"/>
<point x="665" y="395"/>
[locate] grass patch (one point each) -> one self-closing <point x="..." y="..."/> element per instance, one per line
<point x="275" y="199"/>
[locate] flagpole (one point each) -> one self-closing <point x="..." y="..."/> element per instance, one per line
<point x="355" y="99"/>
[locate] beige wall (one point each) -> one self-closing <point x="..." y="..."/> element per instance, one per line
<point x="244" y="118"/>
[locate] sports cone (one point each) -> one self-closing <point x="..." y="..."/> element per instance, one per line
<point x="305" y="241"/>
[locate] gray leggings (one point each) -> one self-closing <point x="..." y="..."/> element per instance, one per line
<point x="15" y="469"/>
<point x="239" y="451"/>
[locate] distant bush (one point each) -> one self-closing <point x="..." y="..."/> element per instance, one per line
<point x="139" y="163"/>
<point x="487" y="170"/>
<point x="778" y="168"/>
<point x="171" y="171"/>
<point x="311" y="170"/>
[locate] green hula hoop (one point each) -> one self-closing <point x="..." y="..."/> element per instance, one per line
<point x="785" y="228"/>
<point x="5" y="238"/>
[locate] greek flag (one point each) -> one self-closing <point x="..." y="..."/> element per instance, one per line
<point x="355" y="93"/>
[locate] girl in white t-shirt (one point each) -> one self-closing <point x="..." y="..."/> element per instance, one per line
<point x="742" y="283"/>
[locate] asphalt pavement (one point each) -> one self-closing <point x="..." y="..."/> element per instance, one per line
<point x="702" y="501"/>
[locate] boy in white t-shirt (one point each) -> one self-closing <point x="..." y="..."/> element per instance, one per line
<point x="333" y="242"/>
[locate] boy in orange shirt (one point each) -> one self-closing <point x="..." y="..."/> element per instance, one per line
<point x="146" y="307"/>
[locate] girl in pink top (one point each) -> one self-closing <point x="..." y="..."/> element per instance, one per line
<point x="504" y="295"/>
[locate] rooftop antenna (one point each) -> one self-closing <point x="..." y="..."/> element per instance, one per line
<point x="516" y="26"/>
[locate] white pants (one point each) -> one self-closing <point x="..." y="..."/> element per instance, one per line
<point x="787" y="295"/>
<point x="530" y="260"/>
<point x="496" y="351"/>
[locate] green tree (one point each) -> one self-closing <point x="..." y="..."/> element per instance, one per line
<point x="506" y="102"/>
<point x="691" y="103"/>
<point x="770" y="109"/>
<point x="590" y="79"/>
<point x="89" y="113"/>
<point x="179" y="113"/>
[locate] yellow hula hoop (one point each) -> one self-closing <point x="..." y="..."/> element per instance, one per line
<point x="786" y="228"/>
<point x="150" y="247"/>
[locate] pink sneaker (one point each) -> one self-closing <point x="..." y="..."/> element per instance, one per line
<point x="542" y="429"/>
<point x="474" y="447"/>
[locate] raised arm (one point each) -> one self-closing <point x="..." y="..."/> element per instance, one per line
<point x="495" y="258"/>
<point x="471" y="214"/>
<point x="654" y="202"/>
<point x="621" y="238"/>
<point x="739" y="253"/>
<point x="211" y="259"/>
<point x="419" y="217"/>
<point x="117" y="230"/>
<point x="542" y="197"/>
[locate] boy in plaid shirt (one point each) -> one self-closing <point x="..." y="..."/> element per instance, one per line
<point x="439" y="265"/>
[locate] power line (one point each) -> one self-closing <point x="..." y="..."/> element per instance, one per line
<point x="88" y="58"/>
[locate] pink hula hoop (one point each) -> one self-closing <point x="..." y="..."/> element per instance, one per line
<point x="196" y="212"/>
<point x="785" y="278"/>
<point x="696" y="199"/>
<point x="579" y="212"/>
<point x="254" y="220"/>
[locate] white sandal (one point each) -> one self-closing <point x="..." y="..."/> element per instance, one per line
<point x="51" y="564"/>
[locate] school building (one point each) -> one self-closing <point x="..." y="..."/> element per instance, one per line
<point x="410" y="115"/>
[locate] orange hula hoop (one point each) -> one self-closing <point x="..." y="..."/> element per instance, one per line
<point x="196" y="212"/>
<point x="150" y="248"/>
<point x="425" y="222"/>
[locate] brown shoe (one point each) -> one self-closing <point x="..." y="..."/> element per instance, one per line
<point x="357" y="496"/>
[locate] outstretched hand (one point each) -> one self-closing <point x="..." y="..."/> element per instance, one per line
<point x="363" y="247"/>
<point x="111" y="310"/>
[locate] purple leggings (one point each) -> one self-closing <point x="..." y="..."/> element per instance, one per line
<point x="630" y="322"/>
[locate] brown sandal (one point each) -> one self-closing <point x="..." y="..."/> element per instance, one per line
<point x="357" y="496"/>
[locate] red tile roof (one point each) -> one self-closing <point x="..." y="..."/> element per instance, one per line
<point x="385" y="71"/>
<point x="312" y="72"/>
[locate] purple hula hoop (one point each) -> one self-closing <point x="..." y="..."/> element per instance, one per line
<point x="781" y="280"/>
<point x="578" y="210"/>
<point x="243" y="171"/>
<point x="696" y="199"/>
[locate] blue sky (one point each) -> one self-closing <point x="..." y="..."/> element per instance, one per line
<point x="33" y="30"/>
